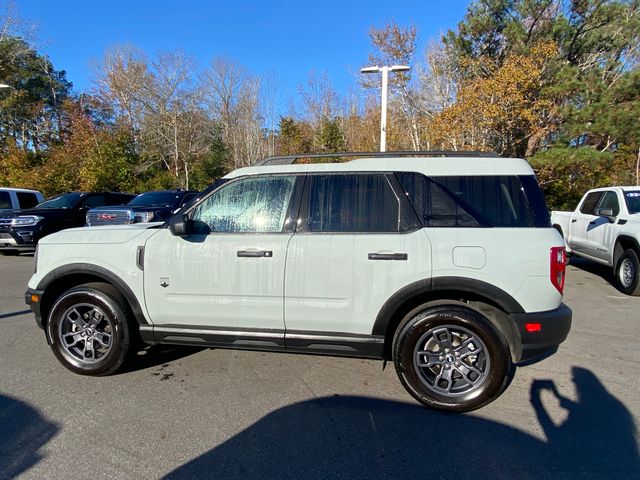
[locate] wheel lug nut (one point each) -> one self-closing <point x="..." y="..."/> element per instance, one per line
<point x="440" y="358"/>
<point x="457" y="364"/>
<point x="447" y="367"/>
<point x="457" y="354"/>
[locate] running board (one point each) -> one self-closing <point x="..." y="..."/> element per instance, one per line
<point x="334" y="344"/>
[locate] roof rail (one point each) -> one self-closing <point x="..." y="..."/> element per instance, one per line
<point x="291" y="159"/>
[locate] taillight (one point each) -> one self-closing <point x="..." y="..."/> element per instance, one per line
<point x="558" y="267"/>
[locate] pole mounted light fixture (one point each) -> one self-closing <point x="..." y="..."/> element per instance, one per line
<point x="383" y="101"/>
<point x="4" y="85"/>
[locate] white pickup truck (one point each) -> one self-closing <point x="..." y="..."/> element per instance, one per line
<point x="605" y="228"/>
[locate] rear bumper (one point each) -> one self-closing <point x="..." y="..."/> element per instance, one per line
<point x="33" y="298"/>
<point x="542" y="332"/>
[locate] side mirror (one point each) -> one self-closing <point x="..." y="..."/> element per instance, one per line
<point x="179" y="225"/>
<point x="606" y="212"/>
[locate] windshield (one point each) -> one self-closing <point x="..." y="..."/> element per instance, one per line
<point x="155" y="199"/>
<point x="633" y="201"/>
<point x="68" y="200"/>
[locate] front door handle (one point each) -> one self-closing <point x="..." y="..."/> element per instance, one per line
<point x="255" y="253"/>
<point x="573" y="220"/>
<point x="388" y="256"/>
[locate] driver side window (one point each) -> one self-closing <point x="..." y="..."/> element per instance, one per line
<point x="249" y="205"/>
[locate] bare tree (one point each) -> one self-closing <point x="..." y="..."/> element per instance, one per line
<point x="233" y="99"/>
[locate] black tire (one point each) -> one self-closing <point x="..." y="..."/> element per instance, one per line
<point x="488" y="371"/>
<point x="98" y="303"/>
<point x="628" y="273"/>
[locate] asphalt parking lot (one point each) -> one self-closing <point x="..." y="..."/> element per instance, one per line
<point x="188" y="413"/>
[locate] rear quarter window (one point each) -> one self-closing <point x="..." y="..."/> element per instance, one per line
<point x="27" y="200"/>
<point x="476" y="201"/>
<point x="5" y="200"/>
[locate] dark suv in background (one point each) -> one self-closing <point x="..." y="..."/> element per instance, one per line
<point x="147" y="207"/>
<point x="20" y="230"/>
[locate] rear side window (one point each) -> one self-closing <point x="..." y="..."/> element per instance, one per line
<point x="27" y="200"/>
<point x="351" y="203"/>
<point x="95" y="201"/>
<point x="5" y="200"/>
<point x="588" y="207"/>
<point x="632" y="199"/>
<point x="476" y="201"/>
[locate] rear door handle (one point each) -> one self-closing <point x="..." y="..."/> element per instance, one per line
<point x="573" y="220"/>
<point x="255" y="253"/>
<point x="388" y="256"/>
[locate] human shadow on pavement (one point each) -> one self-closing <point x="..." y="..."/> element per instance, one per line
<point x="23" y="433"/>
<point x="365" y="438"/>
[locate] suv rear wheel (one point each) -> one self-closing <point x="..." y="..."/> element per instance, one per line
<point x="88" y="330"/>
<point x="451" y="358"/>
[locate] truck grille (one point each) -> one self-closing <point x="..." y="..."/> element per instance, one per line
<point x="109" y="217"/>
<point x="5" y="221"/>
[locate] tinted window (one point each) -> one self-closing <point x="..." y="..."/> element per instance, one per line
<point x="94" y="201"/>
<point x="5" y="200"/>
<point x="588" y="207"/>
<point x="27" y="200"/>
<point x="633" y="201"/>
<point x="351" y="203"/>
<point x="68" y="200"/>
<point x="256" y="204"/>
<point x="187" y="198"/>
<point x="610" y="201"/>
<point x="476" y="201"/>
<point x="156" y="199"/>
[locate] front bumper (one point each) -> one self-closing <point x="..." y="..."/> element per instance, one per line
<point x="542" y="332"/>
<point x="33" y="298"/>
<point x="22" y="239"/>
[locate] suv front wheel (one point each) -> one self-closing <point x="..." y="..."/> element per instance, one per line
<point x="451" y="358"/>
<point x="88" y="330"/>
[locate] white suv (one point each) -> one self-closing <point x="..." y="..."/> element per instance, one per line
<point x="447" y="265"/>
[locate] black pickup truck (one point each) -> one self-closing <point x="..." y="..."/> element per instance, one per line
<point x="20" y="230"/>
<point x="147" y="207"/>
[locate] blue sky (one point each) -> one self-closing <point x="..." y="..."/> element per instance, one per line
<point x="286" y="38"/>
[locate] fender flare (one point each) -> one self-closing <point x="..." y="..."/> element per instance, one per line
<point x="429" y="287"/>
<point x="101" y="273"/>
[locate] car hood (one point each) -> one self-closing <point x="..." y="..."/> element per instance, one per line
<point x="41" y="212"/>
<point x="107" y="234"/>
<point x="135" y="208"/>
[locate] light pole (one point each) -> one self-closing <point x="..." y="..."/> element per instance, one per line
<point x="383" y="101"/>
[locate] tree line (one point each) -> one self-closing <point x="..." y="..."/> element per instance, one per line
<point x="553" y="81"/>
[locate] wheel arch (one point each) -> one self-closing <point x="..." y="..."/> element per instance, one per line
<point x="492" y="302"/>
<point x="68" y="276"/>
<point x="623" y="242"/>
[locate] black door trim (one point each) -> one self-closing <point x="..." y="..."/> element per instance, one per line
<point x="295" y="341"/>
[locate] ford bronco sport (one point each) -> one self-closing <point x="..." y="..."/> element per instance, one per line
<point x="448" y="266"/>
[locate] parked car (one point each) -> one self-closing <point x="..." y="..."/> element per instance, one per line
<point x="18" y="198"/>
<point x="20" y="230"/>
<point x="605" y="228"/>
<point x="448" y="267"/>
<point x="147" y="207"/>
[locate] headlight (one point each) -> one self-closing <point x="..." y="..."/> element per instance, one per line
<point x="25" y="221"/>
<point x="142" y="217"/>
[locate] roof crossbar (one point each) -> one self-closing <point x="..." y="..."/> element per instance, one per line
<point x="291" y="159"/>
